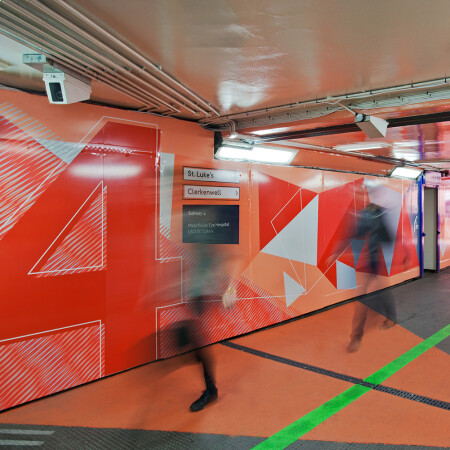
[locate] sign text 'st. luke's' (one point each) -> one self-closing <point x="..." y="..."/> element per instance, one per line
<point x="212" y="175"/>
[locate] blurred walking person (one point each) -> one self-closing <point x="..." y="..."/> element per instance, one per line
<point x="205" y="290"/>
<point x="371" y="226"/>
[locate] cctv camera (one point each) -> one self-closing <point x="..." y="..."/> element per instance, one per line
<point x="63" y="88"/>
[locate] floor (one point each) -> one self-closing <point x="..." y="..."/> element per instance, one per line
<point x="294" y="385"/>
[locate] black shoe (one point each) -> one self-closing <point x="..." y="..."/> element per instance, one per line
<point x="208" y="396"/>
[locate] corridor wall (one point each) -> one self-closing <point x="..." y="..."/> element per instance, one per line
<point x="444" y="223"/>
<point x="94" y="248"/>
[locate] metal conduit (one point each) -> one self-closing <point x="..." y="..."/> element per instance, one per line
<point x="131" y="51"/>
<point x="127" y="61"/>
<point x="76" y="67"/>
<point x="100" y="44"/>
<point x="119" y="56"/>
<point x="358" y="95"/>
<point x="56" y="55"/>
<point x="113" y="76"/>
<point x="116" y="76"/>
<point x="63" y="60"/>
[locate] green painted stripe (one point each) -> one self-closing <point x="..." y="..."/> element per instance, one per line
<point x="292" y="432"/>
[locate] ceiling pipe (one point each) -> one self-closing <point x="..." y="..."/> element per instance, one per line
<point x="57" y="55"/>
<point x="106" y="49"/>
<point x="113" y="80"/>
<point x="171" y="108"/>
<point x="141" y="58"/>
<point x="113" y="76"/>
<point x="257" y="114"/>
<point x="83" y="71"/>
<point x="352" y="127"/>
<point x="62" y="59"/>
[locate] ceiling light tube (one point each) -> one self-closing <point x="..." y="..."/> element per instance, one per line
<point x="405" y="172"/>
<point x="261" y="154"/>
<point x="361" y="146"/>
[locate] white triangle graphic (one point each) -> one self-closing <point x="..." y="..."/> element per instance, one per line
<point x="292" y="289"/>
<point x="346" y="276"/>
<point x="94" y="192"/>
<point x="298" y="240"/>
<point x="67" y="151"/>
<point x="443" y="246"/>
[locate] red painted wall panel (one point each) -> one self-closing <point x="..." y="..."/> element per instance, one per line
<point x="92" y="263"/>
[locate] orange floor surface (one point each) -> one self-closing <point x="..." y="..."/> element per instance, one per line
<point x="259" y="396"/>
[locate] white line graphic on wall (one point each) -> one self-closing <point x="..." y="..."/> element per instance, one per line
<point x="100" y="189"/>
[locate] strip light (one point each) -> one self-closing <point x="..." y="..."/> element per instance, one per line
<point x="261" y="154"/>
<point x="406" y="172"/>
<point x="361" y="146"/>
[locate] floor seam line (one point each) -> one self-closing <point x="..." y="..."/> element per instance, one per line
<point x="343" y="377"/>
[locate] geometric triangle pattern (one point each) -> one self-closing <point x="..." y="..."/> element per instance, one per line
<point x="392" y="220"/>
<point x="28" y="169"/>
<point x="292" y="289"/>
<point x="298" y="240"/>
<point x="67" y="151"/>
<point x="442" y="246"/>
<point x="324" y="230"/>
<point x="336" y="207"/>
<point x="286" y="201"/>
<point x="346" y="276"/>
<point x="83" y="248"/>
<point x="336" y="223"/>
<point x="357" y="246"/>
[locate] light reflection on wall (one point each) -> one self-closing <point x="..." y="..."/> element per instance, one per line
<point x="109" y="171"/>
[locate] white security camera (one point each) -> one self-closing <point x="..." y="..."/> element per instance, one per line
<point x="63" y="88"/>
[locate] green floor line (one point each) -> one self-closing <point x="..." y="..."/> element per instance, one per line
<point x="293" y="432"/>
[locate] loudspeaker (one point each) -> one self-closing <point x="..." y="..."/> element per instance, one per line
<point x="374" y="127"/>
<point x="63" y="88"/>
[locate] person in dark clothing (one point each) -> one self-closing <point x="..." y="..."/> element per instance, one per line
<point x="371" y="226"/>
<point x="203" y="290"/>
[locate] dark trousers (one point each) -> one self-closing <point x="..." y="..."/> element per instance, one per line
<point x="385" y="300"/>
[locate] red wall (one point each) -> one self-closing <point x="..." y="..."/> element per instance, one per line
<point x="91" y="254"/>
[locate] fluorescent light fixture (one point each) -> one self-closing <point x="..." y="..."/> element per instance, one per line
<point x="361" y="146"/>
<point x="237" y="146"/>
<point x="408" y="156"/>
<point x="406" y="172"/>
<point x="406" y="144"/>
<point x="232" y="152"/>
<point x="270" y="155"/>
<point x="269" y="131"/>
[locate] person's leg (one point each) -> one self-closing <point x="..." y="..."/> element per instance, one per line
<point x="210" y="393"/>
<point x="360" y="313"/>
<point x="390" y="310"/>
<point x="358" y="322"/>
<point x="204" y="357"/>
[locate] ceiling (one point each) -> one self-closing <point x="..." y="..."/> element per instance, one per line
<point x="280" y="65"/>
